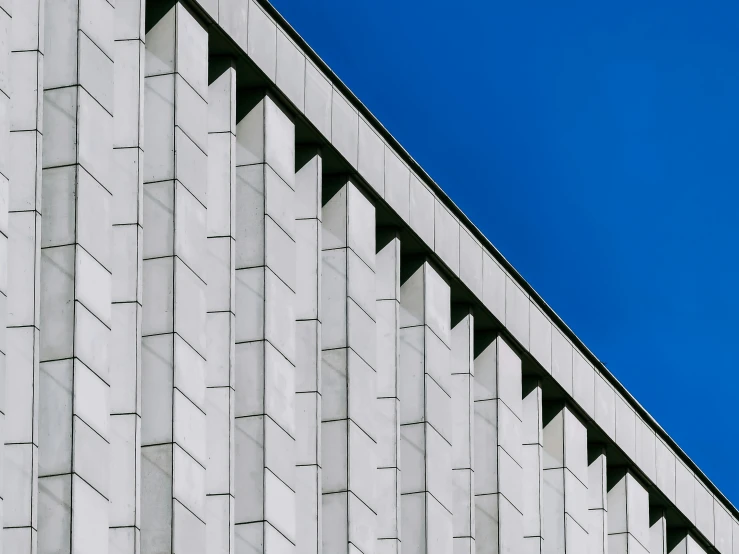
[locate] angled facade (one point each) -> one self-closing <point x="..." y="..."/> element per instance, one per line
<point x="236" y="317"/>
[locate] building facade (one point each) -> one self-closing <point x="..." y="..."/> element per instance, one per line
<point x="241" y="319"/>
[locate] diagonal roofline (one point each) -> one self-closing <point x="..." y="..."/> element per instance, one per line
<point x="499" y="257"/>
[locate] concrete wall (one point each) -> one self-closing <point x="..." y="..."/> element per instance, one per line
<point x="237" y="317"/>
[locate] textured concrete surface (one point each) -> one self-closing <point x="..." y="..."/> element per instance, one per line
<point x="236" y="317"/>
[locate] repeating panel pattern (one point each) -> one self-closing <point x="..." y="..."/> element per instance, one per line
<point x="241" y="319"/>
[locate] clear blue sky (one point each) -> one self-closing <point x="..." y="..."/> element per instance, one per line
<point x="596" y="146"/>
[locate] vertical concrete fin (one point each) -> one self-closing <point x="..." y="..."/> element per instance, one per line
<point x="565" y="478"/>
<point x="173" y="364"/>
<point x="21" y="375"/>
<point x="127" y="236"/>
<point x="532" y="458"/>
<point x="463" y="432"/>
<point x="657" y="531"/>
<point x="5" y="171"/>
<point x="388" y="404"/>
<point x="75" y="280"/>
<point x="425" y="410"/>
<point x="498" y="470"/>
<point x="628" y="513"/>
<point x="221" y="318"/>
<point x="308" y="185"/>
<point x="348" y="369"/>
<point x="265" y="327"/>
<point x="597" y="499"/>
